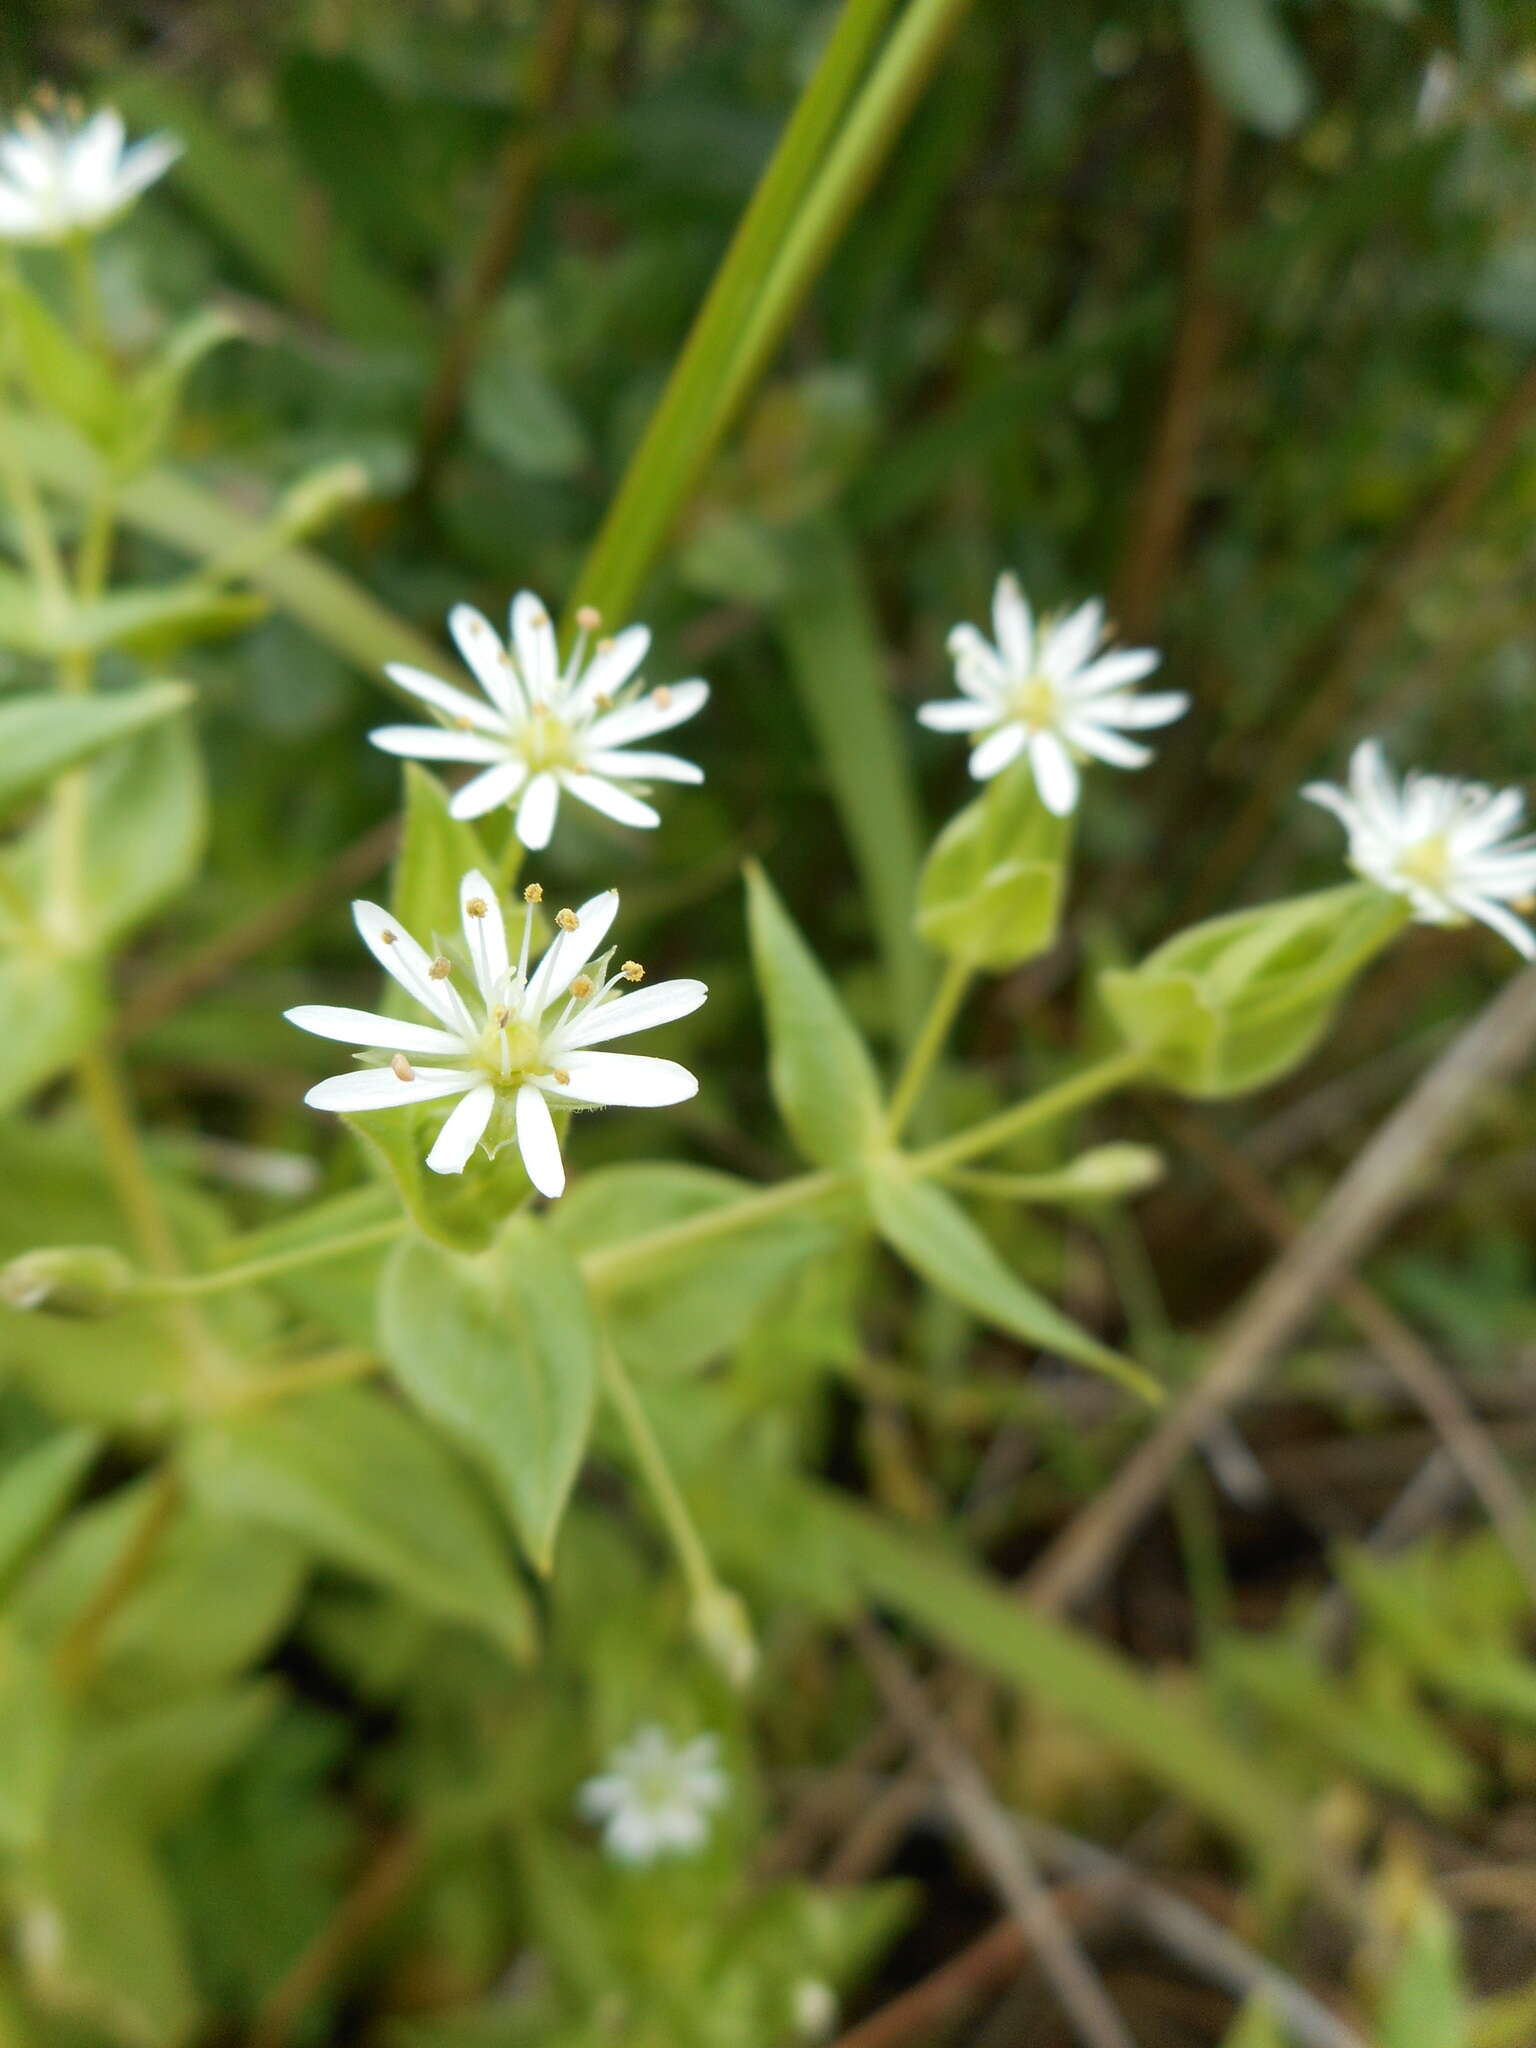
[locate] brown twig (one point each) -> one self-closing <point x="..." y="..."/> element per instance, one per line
<point x="1354" y="642"/>
<point x="169" y="991"/>
<point x="1415" y="1365"/>
<point x="76" y="1654"/>
<point x="998" y="1848"/>
<point x="1362" y="1206"/>
<point x="1160" y="511"/>
<point x="516" y="177"/>
<point x="378" y="1890"/>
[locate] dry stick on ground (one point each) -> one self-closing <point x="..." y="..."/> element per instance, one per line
<point x="1160" y="511"/>
<point x="517" y="175"/>
<point x="997" y="1847"/>
<point x="168" y="992"/>
<point x="1361" y="1207"/>
<point x="380" y="1887"/>
<point x="1350" y="647"/>
<point x="1436" y="1394"/>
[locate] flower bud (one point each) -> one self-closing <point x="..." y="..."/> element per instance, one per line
<point x="723" y="1630"/>
<point x="68" y="1280"/>
<point x="1109" y="1173"/>
<point x="315" y="500"/>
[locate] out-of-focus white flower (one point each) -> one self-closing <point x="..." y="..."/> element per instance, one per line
<point x="518" y="1042"/>
<point x="655" y="1797"/>
<point x="1442" y="843"/>
<point x="541" y="728"/>
<point x="813" y="2007"/>
<point x="1049" y="690"/>
<point x="64" y="173"/>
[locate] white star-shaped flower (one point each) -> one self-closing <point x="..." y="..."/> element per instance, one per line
<point x="62" y="173"/>
<point x="518" y="1041"/>
<point x="1048" y="690"/>
<point x="542" y="728"/>
<point x="1442" y="843"/>
<point x="655" y="1797"/>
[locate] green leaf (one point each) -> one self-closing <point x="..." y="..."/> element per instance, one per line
<point x="36" y="1488"/>
<point x="500" y="1349"/>
<point x="34" y="1738"/>
<point x="1250" y="61"/>
<point x="839" y="672"/>
<point x="146" y="824"/>
<point x="366" y="1486"/>
<point x="50" y="1011"/>
<point x="936" y="1238"/>
<point x="43" y="733"/>
<point x="120" y="1952"/>
<point x="693" y="1305"/>
<point x="152" y="1767"/>
<point x="1255" y="2026"/>
<point x="152" y="400"/>
<point x="152" y="621"/>
<point x="991" y="890"/>
<point x="65" y="377"/>
<point x="1424" y="2001"/>
<point x="822" y="1076"/>
<point x="436" y="851"/>
<point x="520" y="417"/>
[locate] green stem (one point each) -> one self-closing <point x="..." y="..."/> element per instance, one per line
<point x="931" y="1039"/>
<point x="332" y="1369"/>
<point x="621" y="1262"/>
<point x="252" y="1271"/>
<point x="692" y="1557"/>
<point x="1047" y="1107"/>
<point x="86" y="287"/>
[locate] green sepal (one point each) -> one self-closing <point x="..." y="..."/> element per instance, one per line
<point x="991" y="891"/>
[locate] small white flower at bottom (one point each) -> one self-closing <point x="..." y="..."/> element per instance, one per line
<point x="655" y="1797"/>
<point x="519" y="1042"/>
<point x="1441" y="843"/>
<point x="62" y="173"/>
<point x="1048" y="691"/>
<point x="539" y="729"/>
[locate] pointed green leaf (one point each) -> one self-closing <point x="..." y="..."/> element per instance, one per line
<point x="65" y="377"/>
<point x="1250" y="61"/>
<point x="823" y="1078"/>
<point x="120" y="1951"/>
<point x="1424" y="2002"/>
<point x="35" y="1489"/>
<point x="42" y="733"/>
<point x="367" y="1486"/>
<point x="436" y="850"/>
<point x="930" y="1230"/>
<point x="500" y="1349"/>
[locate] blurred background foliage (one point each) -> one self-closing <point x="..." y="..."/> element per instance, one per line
<point x="1226" y="309"/>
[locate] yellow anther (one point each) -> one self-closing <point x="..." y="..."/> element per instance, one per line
<point x="632" y="971"/>
<point x="661" y="698"/>
<point x="401" y="1068"/>
<point x="500" y="1015"/>
<point x="534" y="893"/>
<point x="561" y="1076"/>
<point x="440" y="969"/>
<point x="387" y="938"/>
<point x="588" y="617"/>
<point x="603" y="701"/>
<point x="463" y="725"/>
<point x="605" y="646"/>
<point x="567" y="920"/>
<point x="582" y="987"/>
<point x="476" y="907"/>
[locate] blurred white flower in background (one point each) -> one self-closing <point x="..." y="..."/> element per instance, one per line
<point x="540" y="729"/>
<point x="1048" y="690"/>
<point x="1442" y="843"/>
<point x="520" y="1042"/>
<point x="63" y="172"/>
<point x="654" y="1797"/>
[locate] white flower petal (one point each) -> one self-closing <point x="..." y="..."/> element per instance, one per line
<point x="1115" y="670"/>
<point x="381" y="1088"/>
<point x="144" y="163"/>
<point x="1105" y="744"/>
<point x="997" y="750"/>
<point x="642" y="1011"/>
<point x="453" y="703"/>
<point x="480" y="644"/>
<point x="368" y="1028"/>
<point x="1065" y="648"/>
<point x="622" y="1080"/>
<point x="978" y="670"/>
<point x="1056" y="775"/>
<point x="1501" y="920"/>
<point x="400" y="956"/>
<point x="436" y="743"/>
<point x="483" y="793"/>
<point x="612" y="801"/>
<point x="956" y="714"/>
<point x="537" y="1142"/>
<point x="1136" y="714"/>
<point x="533" y="641"/>
<point x="1014" y="625"/>
<point x="673" y="704"/>
<point x="648" y="767"/>
<point x="463" y="1131"/>
<point x="536" y="813"/>
<point x="485" y="934"/>
<point x="570" y="951"/>
<point x="611" y="666"/>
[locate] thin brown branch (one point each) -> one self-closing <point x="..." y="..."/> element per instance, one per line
<point x="516" y="178"/>
<point x="76" y="1655"/>
<point x="1160" y="512"/>
<point x="1362" y="1206"/>
<point x="998" y="1848"/>
<point x="378" y="1890"/>
<point x="1347" y="650"/>
<point x="1465" y="1439"/>
<point x="168" y="992"/>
